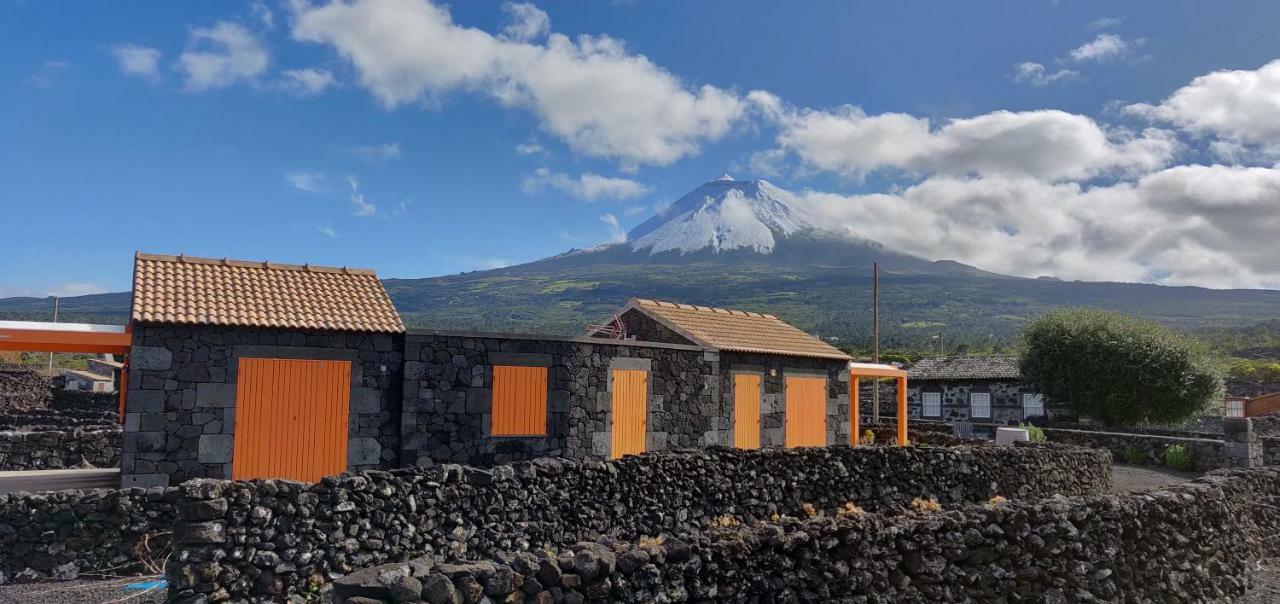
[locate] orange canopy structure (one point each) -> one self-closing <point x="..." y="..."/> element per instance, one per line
<point x="31" y="336"/>
<point x="875" y="370"/>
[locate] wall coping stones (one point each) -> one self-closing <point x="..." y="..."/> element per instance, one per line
<point x="548" y="337"/>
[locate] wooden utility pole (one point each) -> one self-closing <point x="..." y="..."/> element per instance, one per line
<point x="875" y="335"/>
<point x="55" y="320"/>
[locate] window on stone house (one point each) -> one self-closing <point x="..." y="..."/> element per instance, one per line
<point x="1032" y="404"/>
<point x="980" y="404"/>
<point x="519" y="401"/>
<point x="931" y="404"/>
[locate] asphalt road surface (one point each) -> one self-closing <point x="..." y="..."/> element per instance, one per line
<point x="53" y="480"/>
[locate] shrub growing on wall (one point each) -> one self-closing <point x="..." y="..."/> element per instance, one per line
<point x="1119" y="369"/>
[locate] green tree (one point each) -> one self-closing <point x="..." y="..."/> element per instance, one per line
<point x="1119" y="369"/>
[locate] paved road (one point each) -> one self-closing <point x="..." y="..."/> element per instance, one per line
<point x="53" y="480"/>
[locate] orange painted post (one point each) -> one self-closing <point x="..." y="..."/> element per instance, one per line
<point x="855" y="419"/>
<point x="123" y="386"/>
<point x="519" y="401"/>
<point x="902" y="411"/>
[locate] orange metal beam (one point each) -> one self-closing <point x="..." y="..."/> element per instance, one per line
<point x="855" y="417"/>
<point x="50" y="340"/>
<point x="902" y="411"/>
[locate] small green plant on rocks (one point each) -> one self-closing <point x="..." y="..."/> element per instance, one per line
<point x="1179" y="457"/>
<point x="1135" y="455"/>
<point x="869" y="437"/>
<point x="1035" y="433"/>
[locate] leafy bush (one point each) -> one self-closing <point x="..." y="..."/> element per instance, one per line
<point x="1135" y="455"/>
<point x="1035" y="433"/>
<point x="1119" y="369"/>
<point x="1179" y="457"/>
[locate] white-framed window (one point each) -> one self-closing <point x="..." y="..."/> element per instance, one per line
<point x="931" y="404"/>
<point x="980" y="404"/>
<point x="1235" y="407"/>
<point x="1032" y="404"/>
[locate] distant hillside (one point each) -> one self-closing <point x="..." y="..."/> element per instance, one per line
<point x="750" y="245"/>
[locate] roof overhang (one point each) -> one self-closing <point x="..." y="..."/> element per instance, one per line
<point x="875" y="370"/>
<point x="32" y="336"/>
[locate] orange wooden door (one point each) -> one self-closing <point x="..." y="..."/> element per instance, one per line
<point x="806" y="421"/>
<point x="291" y="419"/>
<point x="630" y="411"/>
<point x="746" y="410"/>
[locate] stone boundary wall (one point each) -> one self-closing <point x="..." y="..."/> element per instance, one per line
<point x="1208" y="454"/>
<point x="22" y="388"/>
<point x="79" y="400"/>
<point x="1199" y="541"/>
<point x="63" y="534"/>
<point x="60" y="420"/>
<point x="266" y="539"/>
<point x="60" y="449"/>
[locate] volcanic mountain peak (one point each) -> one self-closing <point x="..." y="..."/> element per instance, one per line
<point x="724" y="214"/>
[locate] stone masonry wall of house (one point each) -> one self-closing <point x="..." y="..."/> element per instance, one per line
<point x="1207" y="454"/>
<point x="264" y="539"/>
<point x="60" y="449"/>
<point x="180" y="420"/>
<point x="100" y="532"/>
<point x="448" y="396"/>
<point x="1006" y="399"/>
<point x="1199" y="541"/>
<point x="773" y="370"/>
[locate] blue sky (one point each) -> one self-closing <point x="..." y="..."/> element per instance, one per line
<point x="424" y="139"/>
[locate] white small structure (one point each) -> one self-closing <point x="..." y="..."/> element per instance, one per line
<point x="1008" y="436"/>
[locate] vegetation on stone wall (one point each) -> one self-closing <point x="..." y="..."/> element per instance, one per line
<point x="1119" y="369"/>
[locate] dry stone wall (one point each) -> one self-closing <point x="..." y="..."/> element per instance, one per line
<point x="102" y="532"/>
<point x="1191" y="543"/>
<point x="21" y="389"/>
<point x="1208" y="454"/>
<point x="266" y="539"/>
<point x="60" y="449"/>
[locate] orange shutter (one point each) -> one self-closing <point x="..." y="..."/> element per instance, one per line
<point x="519" y="401"/>
<point x="806" y="421"/>
<point x="746" y="410"/>
<point x="630" y="411"/>
<point x="291" y="419"/>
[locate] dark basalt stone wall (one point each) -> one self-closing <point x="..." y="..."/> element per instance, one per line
<point x="98" y="532"/>
<point x="266" y="539"/>
<point x="60" y="449"/>
<point x="1206" y="454"/>
<point x="22" y="388"/>
<point x="448" y="396"/>
<point x="1195" y="542"/>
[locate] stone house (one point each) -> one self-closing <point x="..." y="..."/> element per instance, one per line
<point x="977" y="389"/>
<point x="254" y="369"/>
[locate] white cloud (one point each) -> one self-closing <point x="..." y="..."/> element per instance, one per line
<point x="220" y="56"/>
<point x="616" y="234"/>
<point x="602" y="100"/>
<point x="49" y="73"/>
<point x="1036" y="74"/>
<point x="1046" y="144"/>
<point x="67" y="290"/>
<point x="529" y="148"/>
<point x="1102" y="48"/>
<point x="587" y="186"/>
<point x="1106" y="22"/>
<point x="138" y="61"/>
<point x="634" y="211"/>
<point x="379" y="152"/>
<point x="327" y="231"/>
<point x="1242" y="106"/>
<point x="306" y="82"/>
<point x="1183" y="225"/>
<point x="525" y="22"/>
<point x="361" y="206"/>
<point x="263" y="14"/>
<point x="309" y="182"/>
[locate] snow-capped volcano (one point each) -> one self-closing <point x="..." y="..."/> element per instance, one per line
<point x="721" y="215"/>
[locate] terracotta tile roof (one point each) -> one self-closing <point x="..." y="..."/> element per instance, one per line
<point x="994" y="367"/>
<point x="737" y="330"/>
<point x="205" y="291"/>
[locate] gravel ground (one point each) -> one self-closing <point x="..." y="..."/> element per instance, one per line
<point x="1136" y="479"/>
<point x="80" y="592"/>
<point x="1266" y="584"/>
